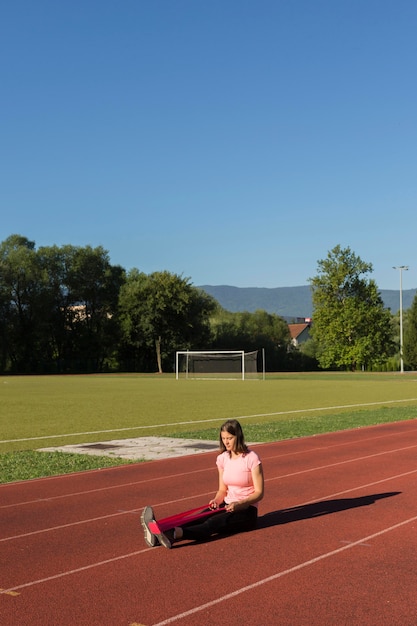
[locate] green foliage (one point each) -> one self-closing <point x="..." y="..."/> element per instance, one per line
<point x="68" y="310"/>
<point x="58" y="307"/>
<point x="351" y="327"/>
<point x="22" y="302"/>
<point x="252" y="331"/>
<point x="163" y="311"/>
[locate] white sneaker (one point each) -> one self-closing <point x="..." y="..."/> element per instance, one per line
<point x="146" y="517"/>
<point x="166" y="538"/>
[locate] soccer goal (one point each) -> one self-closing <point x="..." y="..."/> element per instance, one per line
<point x="220" y="364"/>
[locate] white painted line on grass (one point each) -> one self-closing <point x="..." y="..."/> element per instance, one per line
<point x="207" y="421"/>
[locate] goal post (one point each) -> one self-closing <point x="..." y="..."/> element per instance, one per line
<point x="219" y="364"/>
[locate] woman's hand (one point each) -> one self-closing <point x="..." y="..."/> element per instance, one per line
<point x="236" y="506"/>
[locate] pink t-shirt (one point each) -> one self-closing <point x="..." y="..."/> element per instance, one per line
<point x="237" y="475"/>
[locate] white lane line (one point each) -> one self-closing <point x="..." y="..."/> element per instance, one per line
<point x="170" y="476"/>
<point x="97" y="519"/>
<point x="200" y="496"/>
<point x="221" y="598"/>
<point x="214" y="419"/>
<point x="358" y="430"/>
<point x="188" y="498"/>
<point x="98" y="489"/>
<point x="353" y="460"/>
<point x="73" y="571"/>
<point x="269" y="579"/>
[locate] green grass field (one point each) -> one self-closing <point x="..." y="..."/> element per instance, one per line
<point x="45" y="411"/>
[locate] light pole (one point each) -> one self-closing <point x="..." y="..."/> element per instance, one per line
<point x="401" y="268"/>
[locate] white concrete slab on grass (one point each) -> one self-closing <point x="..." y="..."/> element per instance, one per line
<point x="140" y="448"/>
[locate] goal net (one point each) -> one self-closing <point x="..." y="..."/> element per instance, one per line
<point x="227" y="364"/>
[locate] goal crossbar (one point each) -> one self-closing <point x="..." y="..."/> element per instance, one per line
<point x="207" y="363"/>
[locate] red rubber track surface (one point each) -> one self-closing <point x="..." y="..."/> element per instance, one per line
<point x="336" y="542"/>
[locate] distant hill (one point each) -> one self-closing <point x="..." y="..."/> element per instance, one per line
<point x="288" y="302"/>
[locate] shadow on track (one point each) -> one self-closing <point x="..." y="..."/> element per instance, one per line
<point x="305" y="511"/>
<point x="316" y="509"/>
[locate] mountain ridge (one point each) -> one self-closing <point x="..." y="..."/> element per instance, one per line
<point x="288" y="302"/>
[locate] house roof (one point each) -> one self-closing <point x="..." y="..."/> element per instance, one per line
<point x="297" y="329"/>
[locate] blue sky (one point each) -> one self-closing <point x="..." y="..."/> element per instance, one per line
<point x="231" y="141"/>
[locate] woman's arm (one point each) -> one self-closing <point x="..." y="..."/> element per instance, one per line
<point x="256" y="496"/>
<point x="221" y="492"/>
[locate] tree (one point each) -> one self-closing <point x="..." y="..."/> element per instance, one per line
<point x="92" y="286"/>
<point x="410" y="335"/>
<point x="350" y="324"/>
<point x="251" y="331"/>
<point x="22" y="288"/>
<point x="58" y="307"/>
<point x="163" y="312"/>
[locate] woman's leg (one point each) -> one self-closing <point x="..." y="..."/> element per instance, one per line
<point x="222" y="524"/>
<point x="165" y="527"/>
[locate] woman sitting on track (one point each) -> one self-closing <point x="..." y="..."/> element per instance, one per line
<point x="233" y="509"/>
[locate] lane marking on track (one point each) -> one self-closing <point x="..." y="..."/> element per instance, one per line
<point x="278" y="575"/>
<point x="64" y="477"/>
<point x="98" y="489"/>
<point x="237" y="592"/>
<point x="188" y="498"/>
<point x="339" y="444"/>
<point x="99" y="518"/>
<point x="9" y="593"/>
<point x="171" y="476"/>
<point x="78" y="570"/>
<point x="353" y="460"/>
<point x="13" y="591"/>
<point x="62" y="526"/>
<point x="215" y="419"/>
<point x="322" y="499"/>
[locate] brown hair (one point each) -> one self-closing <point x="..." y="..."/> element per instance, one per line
<point x="234" y="428"/>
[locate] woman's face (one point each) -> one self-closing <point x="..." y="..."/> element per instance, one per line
<point x="229" y="441"/>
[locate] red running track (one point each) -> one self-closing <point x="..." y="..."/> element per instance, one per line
<point x="336" y="543"/>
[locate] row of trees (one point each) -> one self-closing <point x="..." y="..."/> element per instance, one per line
<point x="68" y="309"/>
